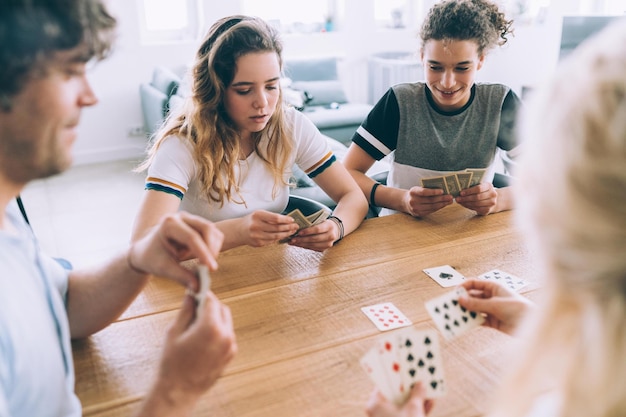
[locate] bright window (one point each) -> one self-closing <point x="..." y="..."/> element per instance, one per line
<point x="296" y="16"/>
<point x="391" y="13"/>
<point x="167" y="20"/>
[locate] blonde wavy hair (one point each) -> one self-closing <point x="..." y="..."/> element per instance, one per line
<point x="202" y="120"/>
<point x="572" y="205"/>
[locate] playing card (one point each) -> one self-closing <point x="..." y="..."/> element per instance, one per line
<point x="372" y="365"/>
<point x="477" y="175"/>
<point x="300" y="218"/>
<point x="451" y="319"/>
<point x="420" y="361"/>
<point x="318" y="217"/>
<point x="386" y="316"/>
<point x="388" y="351"/>
<point x="205" y="284"/>
<point x="445" y="275"/>
<point x="435" y="182"/>
<point x="465" y="178"/>
<point x="504" y="278"/>
<point x="453" y="185"/>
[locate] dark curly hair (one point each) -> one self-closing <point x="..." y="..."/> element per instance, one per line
<point x="477" y="20"/>
<point x="32" y="30"/>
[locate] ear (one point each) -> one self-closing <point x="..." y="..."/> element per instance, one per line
<point x="481" y="60"/>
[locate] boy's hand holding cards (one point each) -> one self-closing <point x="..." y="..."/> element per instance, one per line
<point x="450" y="317"/>
<point x="398" y="361"/>
<point x="454" y="182"/>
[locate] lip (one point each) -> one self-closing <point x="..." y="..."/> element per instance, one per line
<point x="260" y="119"/>
<point x="448" y="94"/>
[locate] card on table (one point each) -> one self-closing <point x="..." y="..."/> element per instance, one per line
<point x="445" y="275"/>
<point x="386" y="316"/>
<point x="420" y="361"/>
<point x="508" y="280"/>
<point x="450" y="317"/>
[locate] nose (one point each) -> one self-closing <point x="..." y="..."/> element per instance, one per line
<point x="87" y="97"/>
<point x="447" y="80"/>
<point x="260" y="100"/>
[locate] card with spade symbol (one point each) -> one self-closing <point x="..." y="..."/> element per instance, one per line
<point x="451" y="319"/>
<point x="399" y="360"/>
<point x="508" y="280"/>
<point x="445" y="275"/>
<point x="420" y="360"/>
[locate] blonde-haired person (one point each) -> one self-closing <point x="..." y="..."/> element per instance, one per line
<point x="445" y="124"/>
<point x="227" y="155"/>
<point x="573" y="357"/>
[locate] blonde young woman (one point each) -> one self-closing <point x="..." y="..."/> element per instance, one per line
<point x="446" y="123"/>
<point x="227" y="154"/>
<point x="573" y="183"/>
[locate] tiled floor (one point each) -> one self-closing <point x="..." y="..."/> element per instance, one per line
<point x="85" y="214"/>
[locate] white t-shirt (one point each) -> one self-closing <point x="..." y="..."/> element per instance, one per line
<point x="174" y="171"/>
<point x="36" y="368"/>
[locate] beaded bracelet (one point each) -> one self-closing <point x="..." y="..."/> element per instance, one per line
<point x="373" y="193"/>
<point x="339" y="223"/>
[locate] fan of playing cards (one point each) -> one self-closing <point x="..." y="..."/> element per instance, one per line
<point x="310" y="220"/>
<point x="454" y="182"/>
<point x="307" y="221"/>
<point x="399" y="360"/>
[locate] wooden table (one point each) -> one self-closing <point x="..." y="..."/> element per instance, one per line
<point x="299" y="326"/>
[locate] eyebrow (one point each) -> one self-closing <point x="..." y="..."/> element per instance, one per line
<point x="430" y="61"/>
<point x="247" y="83"/>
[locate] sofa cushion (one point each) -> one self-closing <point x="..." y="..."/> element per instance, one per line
<point x="321" y="93"/>
<point x="311" y="69"/>
<point x="344" y="115"/>
<point x="165" y="80"/>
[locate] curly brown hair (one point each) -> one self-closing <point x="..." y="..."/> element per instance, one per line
<point x="477" y="20"/>
<point x="32" y="30"/>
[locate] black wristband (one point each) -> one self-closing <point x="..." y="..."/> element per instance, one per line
<point x="339" y="223"/>
<point x="373" y="193"/>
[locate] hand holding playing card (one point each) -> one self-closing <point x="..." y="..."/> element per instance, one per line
<point x="451" y="318"/>
<point x="502" y="308"/>
<point x="421" y="201"/>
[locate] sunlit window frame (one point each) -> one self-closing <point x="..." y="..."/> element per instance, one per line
<point x="159" y="36"/>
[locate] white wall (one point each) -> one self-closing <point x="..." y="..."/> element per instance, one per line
<point x="103" y="133"/>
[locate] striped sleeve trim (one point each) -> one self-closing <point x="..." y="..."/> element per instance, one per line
<point x="321" y="165"/>
<point x="373" y="141"/>
<point x="158" y="184"/>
